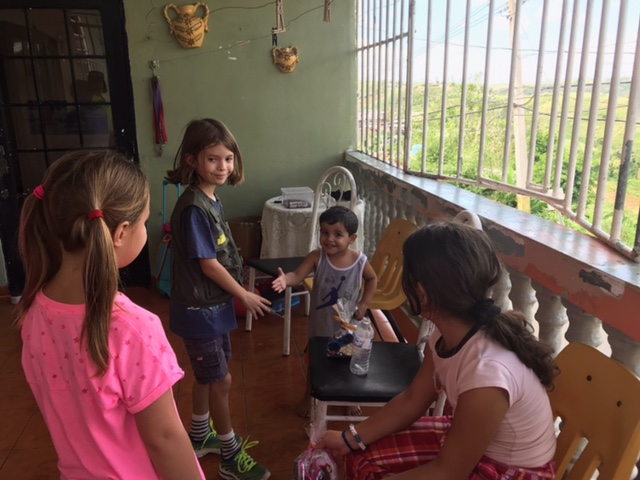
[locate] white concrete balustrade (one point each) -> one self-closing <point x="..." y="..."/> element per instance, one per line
<point x="571" y="287"/>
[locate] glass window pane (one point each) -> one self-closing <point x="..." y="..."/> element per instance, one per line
<point x="54" y="80"/>
<point x="19" y="81"/>
<point x="97" y="126"/>
<point x="53" y="156"/>
<point x="85" y="29"/>
<point x="61" y="126"/>
<point x="91" y="80"/>
<point x="48" y="35"/>
<point x="32" y="167"/>
<point x="26" y="127"/>
<point x="13" y="33"/>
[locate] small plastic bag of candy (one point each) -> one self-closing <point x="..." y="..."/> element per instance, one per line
<point x="313" y="463"/>
<point x="345" y="309"/>
<point x="339" y="344"/>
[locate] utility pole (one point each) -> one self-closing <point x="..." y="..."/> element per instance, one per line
<point x="520" y="125"/>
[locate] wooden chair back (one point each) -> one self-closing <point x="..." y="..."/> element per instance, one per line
<point x="387" y="262"/>
<point x="598" y="401"/>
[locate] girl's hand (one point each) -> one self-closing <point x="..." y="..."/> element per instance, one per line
<point x="280" y="283"/>
<point x="255" y="304"/>
<point x="332" y="442"/>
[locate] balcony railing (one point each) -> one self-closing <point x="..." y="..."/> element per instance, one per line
<point x="537" y="98"/>
<point x="572" y="287"/>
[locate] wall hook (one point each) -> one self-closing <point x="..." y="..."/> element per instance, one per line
<point x="154" y="65"/>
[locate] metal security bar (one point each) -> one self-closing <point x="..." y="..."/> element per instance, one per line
<point x="534" y="98"/>
<point x="384" y="47"/>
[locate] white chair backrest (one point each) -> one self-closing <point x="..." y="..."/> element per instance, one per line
<point x="333" y="179"/>
<point x="468" y="217"/>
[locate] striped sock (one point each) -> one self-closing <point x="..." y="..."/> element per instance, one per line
<point x="199" y="427"/>
<point x="230" y="447"/>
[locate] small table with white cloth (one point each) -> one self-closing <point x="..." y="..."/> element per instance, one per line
<point x="286" y="231"/>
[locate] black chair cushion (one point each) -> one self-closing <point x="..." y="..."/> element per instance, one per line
<point x="270" y="266"/>
<point x="391" y="369"/>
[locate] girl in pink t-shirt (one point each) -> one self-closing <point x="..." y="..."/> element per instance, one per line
<point x="494" y="371"/>
<point x="100" y="367"/>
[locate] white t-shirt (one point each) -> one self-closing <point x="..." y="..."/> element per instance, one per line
<point x="526" y="436"/>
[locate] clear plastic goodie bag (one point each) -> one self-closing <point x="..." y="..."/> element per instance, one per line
<point x="313" y="463"/>
<point x="339" y="344"/>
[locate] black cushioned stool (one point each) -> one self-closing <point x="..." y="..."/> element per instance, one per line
<point x="391" y="370"/>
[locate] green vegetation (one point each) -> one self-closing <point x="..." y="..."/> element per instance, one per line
<point x="464" y="165"/>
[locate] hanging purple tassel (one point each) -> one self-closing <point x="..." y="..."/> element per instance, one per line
<point x="158" y="112"/>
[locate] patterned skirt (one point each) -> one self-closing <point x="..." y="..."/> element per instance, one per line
<point x="421" y="444"/>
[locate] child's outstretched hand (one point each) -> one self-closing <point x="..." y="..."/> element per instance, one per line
<point x="280" y="283"/>
<point x="257" y="305"/>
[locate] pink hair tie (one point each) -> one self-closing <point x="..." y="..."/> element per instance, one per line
<point x="39" y="192"/>
<point x="97" y="213"/>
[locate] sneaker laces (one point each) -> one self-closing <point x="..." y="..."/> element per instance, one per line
<point x="212" y="433"/>
<point x="213" y="430"/>
<point x="243" y="460"/>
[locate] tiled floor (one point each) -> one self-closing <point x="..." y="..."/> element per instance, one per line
<point x="266" y="388"/>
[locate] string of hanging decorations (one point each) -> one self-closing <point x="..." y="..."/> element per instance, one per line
<point x="286" y="58"/>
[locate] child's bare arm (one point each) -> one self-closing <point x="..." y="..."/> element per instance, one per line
<point x="290" y="279"/>
<point x="213" y="269"/>
<point x="370" y="285"/>
<point x="167" y="441"/>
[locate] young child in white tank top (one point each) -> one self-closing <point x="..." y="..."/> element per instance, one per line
<point x="339" y="272"/>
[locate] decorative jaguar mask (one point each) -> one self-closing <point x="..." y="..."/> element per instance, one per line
<point x="285" y="58"/>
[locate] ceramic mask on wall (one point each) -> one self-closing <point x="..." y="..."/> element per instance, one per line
<point x="188" y="28"/>
<point x="285" y="58"/>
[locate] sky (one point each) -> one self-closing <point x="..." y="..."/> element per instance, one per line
<point x="530" y="28"/>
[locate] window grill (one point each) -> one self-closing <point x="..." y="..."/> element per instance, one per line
<point x="537" y="99"/>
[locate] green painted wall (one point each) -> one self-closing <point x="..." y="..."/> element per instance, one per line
<point x="290" y="127"/>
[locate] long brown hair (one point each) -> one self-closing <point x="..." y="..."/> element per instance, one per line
<point x="200" y="135"/>
<point x="456" y="265"/>
<point x="76" y="184"/>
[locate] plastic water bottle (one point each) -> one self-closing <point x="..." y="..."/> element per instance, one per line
<point x="361" y="349"/>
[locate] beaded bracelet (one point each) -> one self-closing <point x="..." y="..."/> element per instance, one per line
<point x="357" y="437"/>
<point x="344" y="437"/>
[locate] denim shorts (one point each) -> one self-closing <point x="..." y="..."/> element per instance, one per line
<point x="209" y="358"/>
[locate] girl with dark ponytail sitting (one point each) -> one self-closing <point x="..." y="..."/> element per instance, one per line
<point x="493" y="369"/>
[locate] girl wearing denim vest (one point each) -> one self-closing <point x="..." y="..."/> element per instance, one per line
<point x="206" y="274"/>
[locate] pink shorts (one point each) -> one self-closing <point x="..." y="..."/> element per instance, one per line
<point x="421" y="444"/>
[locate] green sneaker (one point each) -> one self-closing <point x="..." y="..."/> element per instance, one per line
<point x="242" y="466"/>
<point x="211" y="444"/>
